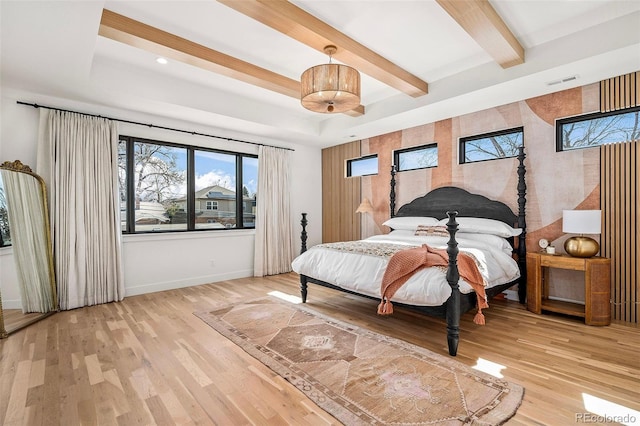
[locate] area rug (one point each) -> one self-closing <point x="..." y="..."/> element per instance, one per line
<point x="362" y="377"/>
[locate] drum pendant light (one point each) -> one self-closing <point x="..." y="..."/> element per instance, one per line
<point x="330" y="88"/>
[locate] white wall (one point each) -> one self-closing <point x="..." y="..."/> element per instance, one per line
<point x="165" y="261"/>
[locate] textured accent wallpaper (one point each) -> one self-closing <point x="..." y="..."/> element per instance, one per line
<point x="555" y="180"/>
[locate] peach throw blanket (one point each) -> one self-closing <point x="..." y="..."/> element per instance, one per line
<point x="405" y="263"/>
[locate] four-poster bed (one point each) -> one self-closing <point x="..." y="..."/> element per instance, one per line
<point x="484" y="232"/>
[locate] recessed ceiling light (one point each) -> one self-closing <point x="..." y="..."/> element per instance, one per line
<point x="162" y="61"/>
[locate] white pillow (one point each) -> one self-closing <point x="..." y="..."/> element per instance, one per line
<point x="402" y="233"/>
<point x="488" y="239"/>
<point x="479" y="225"/>
<point x="410" y="223"/>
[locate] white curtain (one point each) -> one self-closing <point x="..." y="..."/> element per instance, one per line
<point x="78" y="158"/>
<point x="25" y="206"/>
<point x="274" y="234"/>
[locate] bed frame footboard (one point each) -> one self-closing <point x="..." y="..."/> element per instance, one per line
<point x="453" y="305"/>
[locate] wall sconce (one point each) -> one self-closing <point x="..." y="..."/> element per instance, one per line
<point x="581" y="222"/>
<point x="365" y="206"/>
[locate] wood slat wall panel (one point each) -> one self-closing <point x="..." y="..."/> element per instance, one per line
<point x="620" y="92"/>
<point x="340" y="195"/>
<point x="619" y="184"/>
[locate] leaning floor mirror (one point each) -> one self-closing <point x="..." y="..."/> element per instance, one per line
<point x="28" y="288"/>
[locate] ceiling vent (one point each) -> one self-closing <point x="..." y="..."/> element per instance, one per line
<point x="562" y="80"/>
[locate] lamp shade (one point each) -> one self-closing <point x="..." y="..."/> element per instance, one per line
<point x="330" y="88"/>
<point x="581" y="221"/>
<point x="365" y="206"/>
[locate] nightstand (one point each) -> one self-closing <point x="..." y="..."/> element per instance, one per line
<point x="597" y="307"/>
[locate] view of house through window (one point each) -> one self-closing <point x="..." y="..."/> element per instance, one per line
<point x="161" y="189"/>
<point x="597" y="129"/>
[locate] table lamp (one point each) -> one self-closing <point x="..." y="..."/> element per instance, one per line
<point x="581" y="222"/>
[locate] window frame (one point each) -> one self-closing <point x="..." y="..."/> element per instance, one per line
<point x="586" y="117"/>
<point x="349" y="165"/>
<point x="463" y="141"/>
<point x="397" y="152"/>
<point x="190" y="196"/>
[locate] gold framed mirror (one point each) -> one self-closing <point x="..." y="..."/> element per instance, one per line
<point x="24" y="219"/>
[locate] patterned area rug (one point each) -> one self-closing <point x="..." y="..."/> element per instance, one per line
<point x="361" y="377"/>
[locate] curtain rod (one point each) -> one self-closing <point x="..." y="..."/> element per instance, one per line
<point x="152" y="125"/>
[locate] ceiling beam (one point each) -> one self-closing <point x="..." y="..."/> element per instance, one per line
<point x="480" y="20"/>
<point x="300" y="25"/>
<point x="137" y="34"/>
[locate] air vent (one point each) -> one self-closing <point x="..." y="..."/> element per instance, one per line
<point x="562" y="80"/>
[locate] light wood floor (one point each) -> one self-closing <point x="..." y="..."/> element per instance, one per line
<point x="149" y="360"/>
<point x="14" y="319"/>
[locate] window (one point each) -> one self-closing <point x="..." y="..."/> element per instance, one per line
<point x="491" y="146"/>
<point x="363" y="166"/>
<point x="249" y="190"/>
<point x="419" y="157"/>
<point x="167" y="187"/>
<point x="597" y="129"/>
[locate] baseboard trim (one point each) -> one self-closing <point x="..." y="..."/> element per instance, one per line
<point x="134" y="290"/>
<point x="11" y="304"/>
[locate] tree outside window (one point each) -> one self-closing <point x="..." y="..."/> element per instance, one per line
<point x="491" y="146"/>
<point x="414" y="158"/>
<point x="155" y="194"/>
<point x="597" y="129"/>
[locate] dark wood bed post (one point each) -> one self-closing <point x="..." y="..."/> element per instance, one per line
<point x="303" y="248"/>
<point x="392" y="193"/>
<point x="453" y="276"/>
<point x="522" y="223"/>
<point x="303" y="234"/>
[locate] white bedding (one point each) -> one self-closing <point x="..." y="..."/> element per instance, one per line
<point x="427" y="287"/>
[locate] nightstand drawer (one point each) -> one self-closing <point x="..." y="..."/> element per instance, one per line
<point x="562" y="262"/>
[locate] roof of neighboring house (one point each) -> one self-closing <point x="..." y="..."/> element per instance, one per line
<point x="215" y="191"/>
<point x="151" y="210"/>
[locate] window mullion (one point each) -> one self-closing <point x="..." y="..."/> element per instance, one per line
<point x="131" y="193"/>
<point x="239" y="196"/>
<point x="191" y="190"/>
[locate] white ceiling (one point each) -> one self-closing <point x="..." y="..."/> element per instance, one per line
<point x="51" y="49"/>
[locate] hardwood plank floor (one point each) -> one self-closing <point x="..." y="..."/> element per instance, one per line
<point x="14" y="319"/>
<point x="149" y="360"/>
